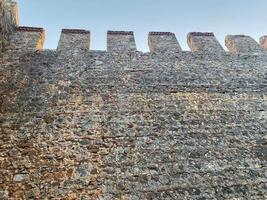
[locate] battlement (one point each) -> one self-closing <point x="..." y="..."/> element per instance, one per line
<point x="78" y="40"/>
<point x="263" y="42"/>
<point x="27" y="39"/>
<point x="204" y="42"/>
<point x="163" y="41"/>
<point x="242" y="44"/>
<point x="121" y="41"/>
<point x="21" y="38"/>
<point x="75" y="40"/>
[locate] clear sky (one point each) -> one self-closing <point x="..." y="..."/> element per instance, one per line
<point x="141" y="16"/>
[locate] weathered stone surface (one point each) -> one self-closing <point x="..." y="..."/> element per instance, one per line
<point x="242" y="44"/>
<point x="122" y="124"/>
<point x="163" y="41"/>
<point x="74" y="40"/>
<point x="8" y="21"/>
<point x="26" y="39"/>
<point x="263" y="42"/>
<point x="133" y="126"/>
<point x="120" y="41"/>
<point x="204" y="42"/>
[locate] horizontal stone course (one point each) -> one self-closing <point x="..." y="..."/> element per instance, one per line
<point x="160" y="33"/>
<point x="75" y="31"/>
<point x="201" y="34"/>
<point x="29" y="29"/>
<point x="120" y="33"/>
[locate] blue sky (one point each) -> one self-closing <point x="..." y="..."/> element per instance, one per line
<point x="141" y="16"/>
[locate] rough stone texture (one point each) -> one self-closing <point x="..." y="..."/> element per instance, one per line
<point x="163" y="41"/>
<point x="263" y="42"/>
<point x="8" y="20"/>
<point x="120" y="41"/>
<point x="242" y="44"/>
<point x="131" y="125"/>
<point x="204" y="42"/>
<point x="74" y="40"/>
<point x="26" y="39"/>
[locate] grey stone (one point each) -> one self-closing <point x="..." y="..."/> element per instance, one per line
<point x="20" y="177"/>
<point x="98" y="62"/>
<point x="83" y="170"/>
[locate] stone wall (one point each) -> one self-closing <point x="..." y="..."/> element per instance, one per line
<point x="120" y="41"/>
<point x="8" y="21"/>
<point x="83" y="124"/>
<point x="74" y="40"/>
<point x="163" y="41"/>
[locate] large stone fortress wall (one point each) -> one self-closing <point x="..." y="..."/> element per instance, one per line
<point x="122" y="124"/>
